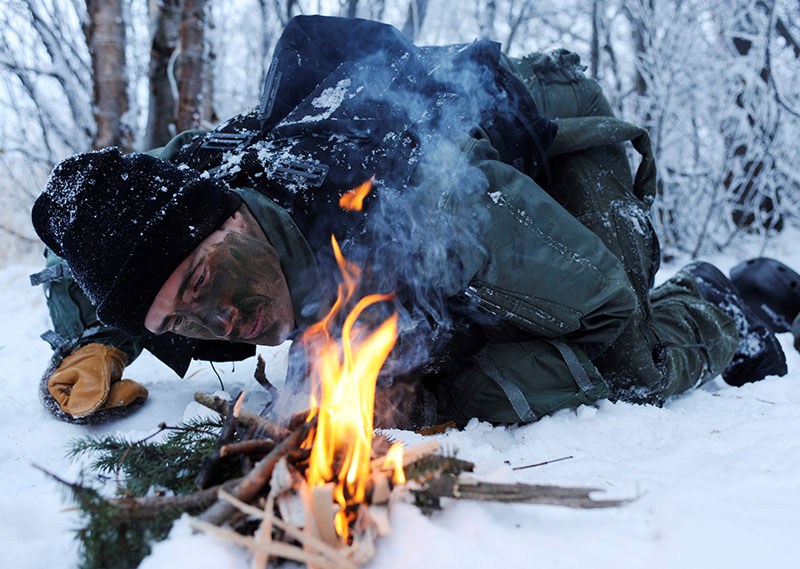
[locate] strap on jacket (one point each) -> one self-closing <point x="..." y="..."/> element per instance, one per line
<point x="575" y="368"/>
<point x="50" y="274"/>
<point x="512" y="391"/>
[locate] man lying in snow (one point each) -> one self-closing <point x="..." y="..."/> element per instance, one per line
<point x="522" y="259"/>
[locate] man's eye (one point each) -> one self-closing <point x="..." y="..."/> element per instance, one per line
<point x="177" y="322"/>
<point x="201" y="279"/>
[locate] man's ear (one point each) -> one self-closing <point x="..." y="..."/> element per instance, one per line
<point x="236" y="220"/>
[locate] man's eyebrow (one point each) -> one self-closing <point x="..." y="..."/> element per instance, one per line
<point x="181" y="289"/>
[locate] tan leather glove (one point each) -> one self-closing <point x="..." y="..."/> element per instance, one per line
<point x="88" y="380"/>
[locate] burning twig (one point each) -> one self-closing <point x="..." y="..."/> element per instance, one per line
<point x="410" y="455"/>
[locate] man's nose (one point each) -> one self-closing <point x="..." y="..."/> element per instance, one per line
<point x="219" y="322"/>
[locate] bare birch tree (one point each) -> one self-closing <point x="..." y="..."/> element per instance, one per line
<point x="417" y="10"/>
<point x="191" y="64"/>
<point x="165" y="18"/>
<point x="105" y="37"/>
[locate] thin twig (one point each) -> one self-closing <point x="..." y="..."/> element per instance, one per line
<point x="272" y="430"/>
<point x="292" y="531"/>
<point x="253" y="446"/>
<point x="225" y="437"/>
<point x="277" y="549"/>
<point x="257" y="478"/>
<point x="542" y="463"/>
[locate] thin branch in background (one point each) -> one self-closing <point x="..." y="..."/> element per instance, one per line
<point x="773" y="25"/>
<point x="18" y="235"/>
<point x="517" y="20"/>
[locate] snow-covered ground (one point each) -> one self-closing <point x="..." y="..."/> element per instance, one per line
<point x="715" y="473"/>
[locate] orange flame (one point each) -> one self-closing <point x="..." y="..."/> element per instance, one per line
<point x="345" y="379"/>
<point x="354" y="199"/>
<point x="394" y="461"/>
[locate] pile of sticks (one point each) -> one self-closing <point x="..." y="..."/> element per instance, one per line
<point x="295" y="521"/>
<point x="273" y="511"/>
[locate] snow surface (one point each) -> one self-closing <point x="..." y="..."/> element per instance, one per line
<point x="714" y="473"/>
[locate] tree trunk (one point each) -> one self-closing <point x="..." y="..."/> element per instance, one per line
<point x="209" y="117"/>
<point x="416" y="15"/>
<point x="191" y="64"/>
<point x="642" y="23"/>
<point x="594" y="57"/>
<point x="352" y="8"/>
<point x="487" y="18"/>
<point x="105" y="38"/>
<point x="165" y="18"/>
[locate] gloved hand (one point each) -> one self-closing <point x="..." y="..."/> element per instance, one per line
<point x="88" y="380"/>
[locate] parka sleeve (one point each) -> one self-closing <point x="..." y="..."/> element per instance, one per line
<point x="539" y="267"/>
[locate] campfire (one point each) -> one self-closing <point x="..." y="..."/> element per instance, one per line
<point x="330" y="478"/>
<point x="324" y="484"/>
<point x="345" y="373"/>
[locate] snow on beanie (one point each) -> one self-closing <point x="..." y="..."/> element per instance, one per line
<point x="124" y="223"/>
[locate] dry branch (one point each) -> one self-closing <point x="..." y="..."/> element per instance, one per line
<point x="254" y="446"/>
<point x="257" y="478"/>
<point x="449" y="486"/>
<point x="156" y="505"/>
<point x="272" y="430"/>
<point x="226" y="436"/>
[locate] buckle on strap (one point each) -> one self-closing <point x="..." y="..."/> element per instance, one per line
<point x="50" y="274"/>
<point x="56" y="340"/>
<point x="59" y="342"/>
<point x="226" y="140"/>
<point x="313" y="172"/>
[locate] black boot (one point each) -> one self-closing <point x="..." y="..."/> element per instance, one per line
<point x="770" y="289"/>
<point x="759" y="354"/>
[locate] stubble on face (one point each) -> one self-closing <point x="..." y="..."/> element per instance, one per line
<point x="231" y="288"/>
<point x="246" y="287"/>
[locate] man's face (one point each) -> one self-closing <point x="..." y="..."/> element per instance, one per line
<point x="230" y="287"/>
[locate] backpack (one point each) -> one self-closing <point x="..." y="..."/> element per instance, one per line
<point x="348" y="100"/>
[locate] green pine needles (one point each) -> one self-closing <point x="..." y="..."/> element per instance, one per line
<point x="170" y="465"/>
<point x="117" y="533"/>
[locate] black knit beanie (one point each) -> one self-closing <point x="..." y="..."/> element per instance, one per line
<point x="124" y="223"/>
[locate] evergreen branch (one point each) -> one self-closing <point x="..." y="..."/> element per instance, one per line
<point x="109" y="539"/>
<point x="171" y="464"/>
